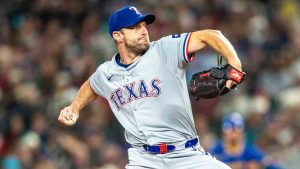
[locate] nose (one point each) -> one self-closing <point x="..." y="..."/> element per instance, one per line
<point x="144" y="30"/>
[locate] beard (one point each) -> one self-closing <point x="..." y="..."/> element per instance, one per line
<point x="137" y="48"/>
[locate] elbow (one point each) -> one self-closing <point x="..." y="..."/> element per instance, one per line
<point x="209" y="35"/>
<point x="214" y="32"/>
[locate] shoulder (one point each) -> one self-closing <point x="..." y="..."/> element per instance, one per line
<point x="252" y="148"/>
<point x="254" y="152"/>
<point x="174" y="37"/>
<point x="104" y="67"/>
<point x="169" y="41"/>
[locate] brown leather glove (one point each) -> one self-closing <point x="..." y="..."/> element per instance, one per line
<point x="212" y="83"/>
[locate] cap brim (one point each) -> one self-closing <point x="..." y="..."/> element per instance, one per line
<point x="148" y="18"/>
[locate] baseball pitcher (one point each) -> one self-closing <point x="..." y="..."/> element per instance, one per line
<point x="145" y="85"/>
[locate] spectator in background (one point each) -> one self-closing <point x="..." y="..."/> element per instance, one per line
<point x="234" y="150"/>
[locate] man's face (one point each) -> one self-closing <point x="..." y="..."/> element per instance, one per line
<point x="136" y="38"/>
<point x="233" y="134"/>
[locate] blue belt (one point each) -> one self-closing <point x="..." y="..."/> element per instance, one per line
<point x="165" y="148"/>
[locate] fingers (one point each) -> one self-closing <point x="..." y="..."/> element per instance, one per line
<point x="68" y="116"/>
<point x="230" y="84"/>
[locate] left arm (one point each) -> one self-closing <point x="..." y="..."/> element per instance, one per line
<point x="216" y="40"/>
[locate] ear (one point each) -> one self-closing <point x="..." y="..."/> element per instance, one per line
<point x="117" y="35"/>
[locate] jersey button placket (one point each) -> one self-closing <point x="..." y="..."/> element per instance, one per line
<point x="126" y="77"/>
<point x="133" y="106"/>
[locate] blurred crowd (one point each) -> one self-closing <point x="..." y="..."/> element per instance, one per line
<point x="48" y="48"/>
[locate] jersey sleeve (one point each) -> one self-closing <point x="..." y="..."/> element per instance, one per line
<point x="175" y="50"/>
<point x="96" y="81"/>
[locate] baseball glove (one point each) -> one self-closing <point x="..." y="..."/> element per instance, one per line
<point x="212" y="83"/>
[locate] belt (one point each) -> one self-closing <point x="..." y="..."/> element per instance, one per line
<point x="165" y="148"/>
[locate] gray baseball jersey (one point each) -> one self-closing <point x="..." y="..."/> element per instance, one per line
<point x="150" y="97"/>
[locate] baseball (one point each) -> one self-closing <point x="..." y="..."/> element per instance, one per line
<point x="68" y="117"/>
<point x="70" y="122"/>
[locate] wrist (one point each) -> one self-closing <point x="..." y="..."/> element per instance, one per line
<point x="75" y="107"/>
<point x="236" y="65"/>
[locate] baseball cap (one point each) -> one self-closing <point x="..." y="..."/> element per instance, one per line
<point x="127" y="16"/>
<point x="233" y="121"/>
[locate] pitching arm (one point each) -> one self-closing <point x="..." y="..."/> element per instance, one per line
<point x="216" y="40"/>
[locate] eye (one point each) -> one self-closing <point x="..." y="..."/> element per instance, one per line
<point x="137" y="27"/>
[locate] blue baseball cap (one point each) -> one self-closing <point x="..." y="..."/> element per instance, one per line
<point x="126" y="17"/>
<point x="233" y="121"/>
